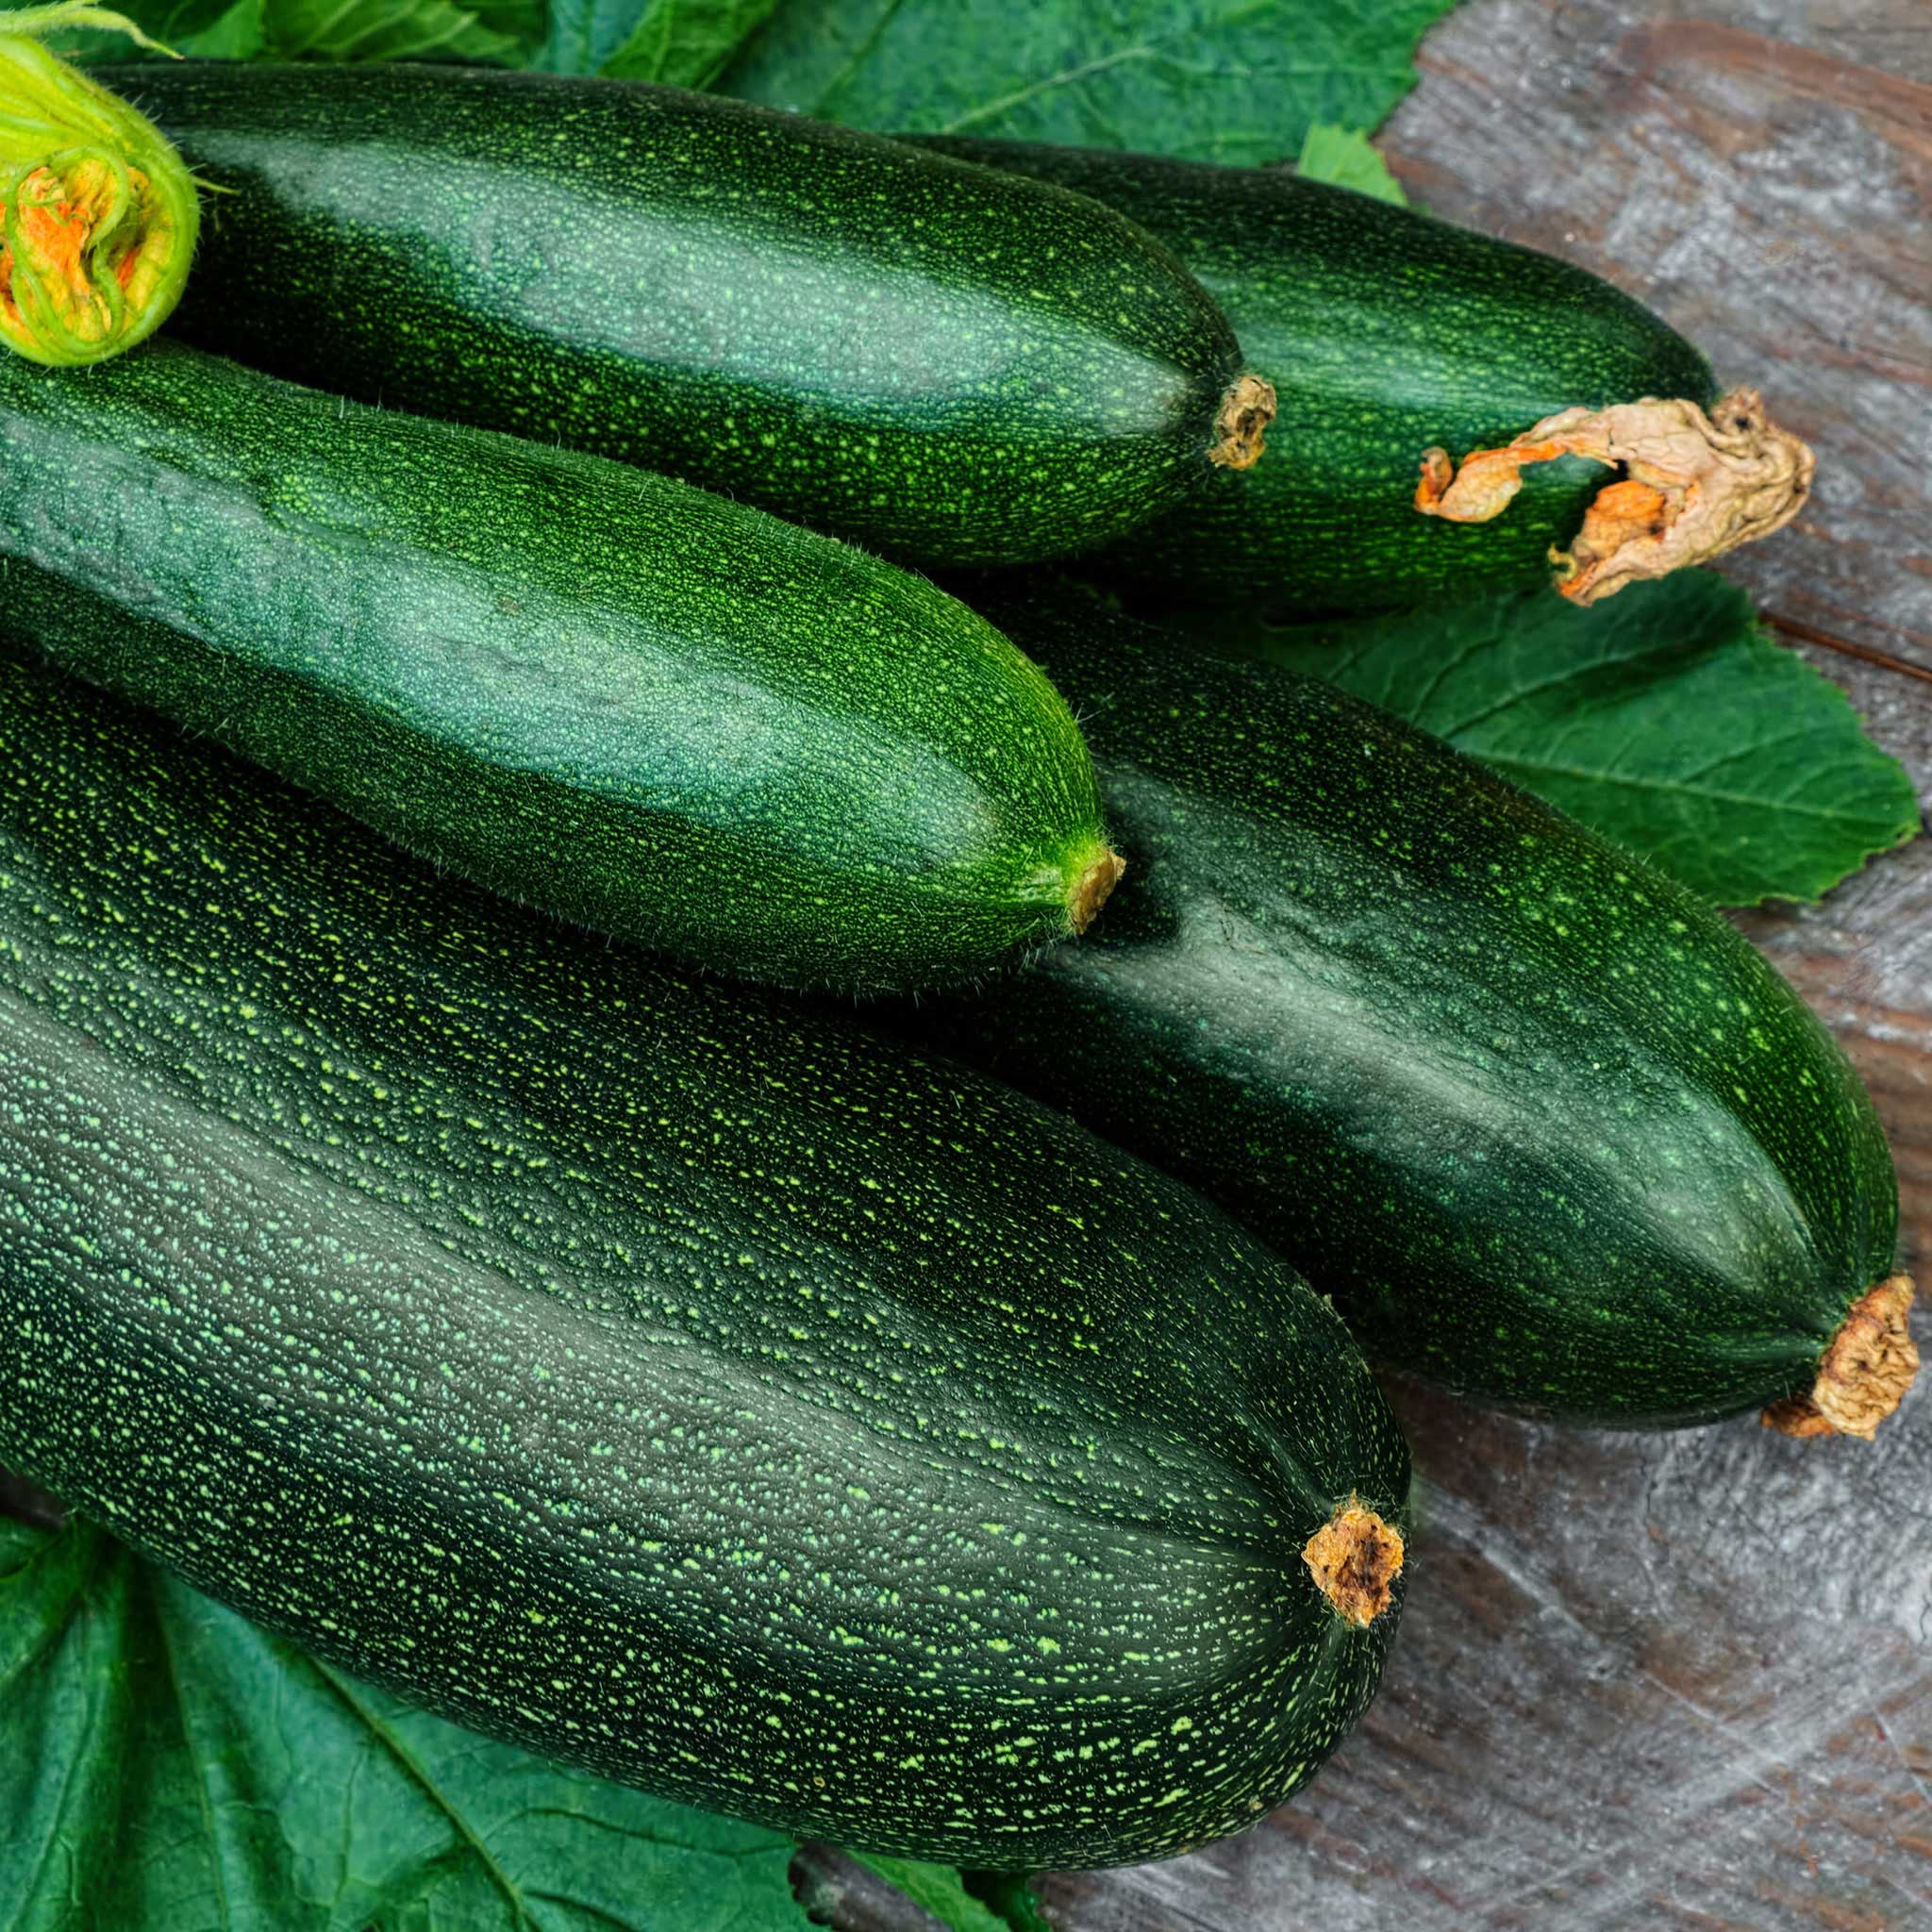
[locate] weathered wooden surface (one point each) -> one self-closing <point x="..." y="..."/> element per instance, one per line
<point x="1686" y="1681"/>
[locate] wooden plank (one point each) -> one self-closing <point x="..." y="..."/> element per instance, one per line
<point x="1677" y="1681"/>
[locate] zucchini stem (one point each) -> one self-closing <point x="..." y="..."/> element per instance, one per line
<point x="1694" y="486"/>
<point x="1863" y="1376"/>
<point x="1092" y="888"/>
<point x="1355" y="1558"/>
<point x="1246" y="410"/>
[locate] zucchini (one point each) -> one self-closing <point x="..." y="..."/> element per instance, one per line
<point x="928" y="357"/>
<point x="1397" y="344"/>
<point x="667" y="716"/>
<point x="640" y="1369"/>
<point x="1548" y="1128"/>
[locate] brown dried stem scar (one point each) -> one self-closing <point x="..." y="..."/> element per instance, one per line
<point x="1863" y="1376"/>
<point x="1355" y="1558"/>
<point x="1092" y="888"/>
<point x="1694" y="486"/>
<point x="1241" y="427"/>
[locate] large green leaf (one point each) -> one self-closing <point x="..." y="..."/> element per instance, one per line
<point x="941" y="1890"/>
<point x="165" y="1767"/>
<point x="170" y="21"/>
<point x="524" y="22"/>
<point x="341" y="30"/>
<point x="1346" y="158"/>
<point x="676" y="43"/>
<point x="862" y="1889"/>
<point x="1219" y="80"/>
<point x="1010" y="1897"/>
<point x="1663" y="717"/>
<point x="180" y="26"/>
<point x="585" y="33"/>
<point x="686" y="43"/>
<point x="239" y="33"/>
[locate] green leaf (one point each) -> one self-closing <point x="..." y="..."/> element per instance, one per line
<point x="166" y="1767"/>
<point x="526" y="21"/>
<point x="1010" y="1896"/>
<point x="939" y="1889"/>
<point x="1343" y="156"/>
<point x="20" y="1544"/>
<point x="1217" y="80"/>
<point x="586" y="33"/>
<point x="686" y="43"/>
<point x="170" y="22"/>
<point x="1662" y="717"/>
<point x="195" y="29"/>
<point x="380" y="30"/>
<point x="239" y="34"/>
<point x="677" y="43"/>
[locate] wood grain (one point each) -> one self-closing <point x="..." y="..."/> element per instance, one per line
<point x="1680" y="1681"/>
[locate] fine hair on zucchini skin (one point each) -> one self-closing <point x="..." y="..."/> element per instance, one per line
<point x="943" y="362"/>
<point x="652" y="1372"/>
<point x="1548" y="1129"/>
<point x="640" y="707"/>
<point x="1391" y="338"/>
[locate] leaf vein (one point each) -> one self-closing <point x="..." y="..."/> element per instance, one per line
<point x="385" y="1733"/>
<point x="194" y="1761"/>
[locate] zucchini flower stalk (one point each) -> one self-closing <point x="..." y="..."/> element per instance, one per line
<point x="97" y="211"/>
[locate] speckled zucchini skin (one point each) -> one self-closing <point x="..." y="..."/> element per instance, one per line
<point x="667" y="716"/>
<point x="1548" y="1130"/>
<point x="1384" y="332"/>
<point x="661" y="1376"/>
<point x="930" y="358"/>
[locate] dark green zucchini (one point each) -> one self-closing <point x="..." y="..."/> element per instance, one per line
<point x="1387" y="334"/>
<point x="667" y="716"/>
<point x="947" y="363"/>
<point x="1547" y="1129"/>
<point x="642" y="1369"/>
